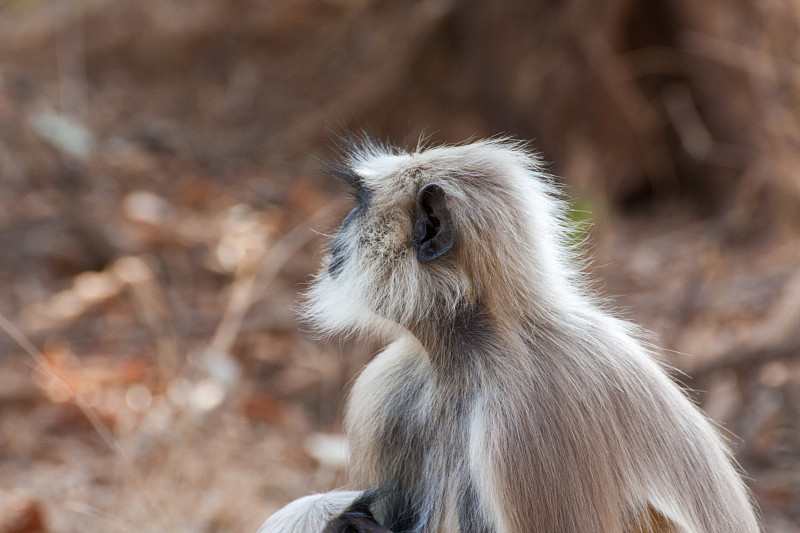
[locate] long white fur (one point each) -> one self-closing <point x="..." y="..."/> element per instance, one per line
<point x="309" y="514"/>
<point x="565" y="421"/>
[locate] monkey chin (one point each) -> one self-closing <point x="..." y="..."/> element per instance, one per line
<point x="335" y="307"/>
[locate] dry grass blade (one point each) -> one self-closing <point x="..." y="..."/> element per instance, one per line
<point x="102" y="430"/>
<point x="249" y="284"/>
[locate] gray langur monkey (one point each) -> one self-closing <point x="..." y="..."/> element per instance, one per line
<point x="508" y="400"/>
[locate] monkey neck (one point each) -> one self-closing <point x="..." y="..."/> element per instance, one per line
<point x="471" y="338"/>
<point x="459" y="340"/>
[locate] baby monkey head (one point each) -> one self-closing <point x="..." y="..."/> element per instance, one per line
<point x="436" y="231"/>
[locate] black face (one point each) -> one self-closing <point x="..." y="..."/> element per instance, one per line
<point x="337" y="247"/>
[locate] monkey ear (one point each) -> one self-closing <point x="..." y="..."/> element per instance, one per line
<point x="434" y="232"/>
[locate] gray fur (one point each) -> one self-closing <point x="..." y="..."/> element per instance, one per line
<point x="508" y="400"/>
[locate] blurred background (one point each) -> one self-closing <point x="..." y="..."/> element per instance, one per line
<point x="162" y="204"/>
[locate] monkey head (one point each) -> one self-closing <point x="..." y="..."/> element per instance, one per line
<point x="437" y="230"/>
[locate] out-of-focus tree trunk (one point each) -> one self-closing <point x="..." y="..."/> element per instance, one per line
<point x="634" y="100"/>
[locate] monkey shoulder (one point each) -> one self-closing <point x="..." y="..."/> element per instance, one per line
<point x="386" y="407"/>
<point x="400" y="365"/>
